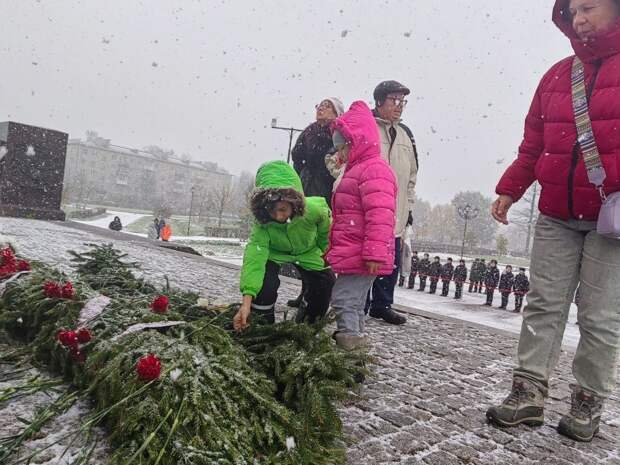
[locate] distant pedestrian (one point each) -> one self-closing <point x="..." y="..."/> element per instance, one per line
<point x="460" y="276"/>
<point x="166" y="232"/>
<point x="115" y="224"/>
<point x="447" y="273"/>
<point x="434" y="273"/>
<point x="491" y="281"/>
<point x="473" y="275"/>
<point x="424" y="270"/>
<point x="506" y="281"/>
<point x="415" y="263"/>
<point x="521" y="287"/>
<point x="152" y="231"/>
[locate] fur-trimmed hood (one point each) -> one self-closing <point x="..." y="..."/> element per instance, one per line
<point x="276" y="181"/>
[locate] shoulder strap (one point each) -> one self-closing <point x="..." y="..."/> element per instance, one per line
<point x="585" y="133"/>
<point x="410" y="135"/>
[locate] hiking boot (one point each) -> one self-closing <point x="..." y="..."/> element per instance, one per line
<point x="388" y="315"/>
<point x="348" y="341"/>
<point x="525" y="404"/>
<point x="401" y="281"/>
<point x="582" y="422"/>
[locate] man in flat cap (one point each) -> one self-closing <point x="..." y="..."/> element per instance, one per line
<point x="399" y="149"/>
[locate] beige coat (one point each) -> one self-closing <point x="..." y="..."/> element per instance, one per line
<point x="401" y="157"/>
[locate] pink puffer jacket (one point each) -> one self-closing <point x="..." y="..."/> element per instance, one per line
<point x="364" y="204"/>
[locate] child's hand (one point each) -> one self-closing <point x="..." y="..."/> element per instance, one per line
<point x="240" y="321"/>
<point x="373" y="267"/>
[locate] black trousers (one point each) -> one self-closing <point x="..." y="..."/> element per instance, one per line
<point x="381" y="296"/>
<point x="518" y="302"/>
<point x="490" y="293"/>
<point x="422" y="283"/>
<point x="317" y="292"/>
<point x="505" y="296"/>
<point x="411" y="282"/>
<point x="445" y="288"/>
<point x="434" y="282"/>
<point x="459" y="290"/>
<point x="471" y="286"/>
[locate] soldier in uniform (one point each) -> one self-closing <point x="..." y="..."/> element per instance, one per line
<point x="506" y="282"/>
<point x="491" y="280"/>
<point x="460" y="276"/>
<point x="434" y="273"/>
<point x="424" y="269"/>
<point x="521" y="287"/>
<point x="447" y="273"/>
<point x="473" y="275"/>
<point x="414" y="269"/>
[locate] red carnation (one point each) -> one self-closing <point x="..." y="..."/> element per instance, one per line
<point x="148" y="367"/>
<point x="23" y="265"/>
<point x="68" y="338"/>
<point x="7" y="270"/>
<point x="52" y="290"/>
<point x="7" y="256"/>
<point x="67" y="290"/>
<point x="84" y="335"/>
<point x="160" y="304"/>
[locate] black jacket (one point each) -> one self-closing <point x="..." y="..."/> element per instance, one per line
<point x="522" y="284"/>
<point x="491" y="278"/>
<point x="435" y="270"/>
<point x="116" y="225"/>
<point x="506" y="281"/>
<point x="460" y="274"/>
<point x="447" y="272"/>
<point x="415" y="261"/>
<point x="425" y="266"/>
<point x="309" y="161"/>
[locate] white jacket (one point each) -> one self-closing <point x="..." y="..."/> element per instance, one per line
<point x="401" y="157"/>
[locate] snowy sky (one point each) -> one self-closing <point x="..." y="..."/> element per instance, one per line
<point x="206" y="77"/>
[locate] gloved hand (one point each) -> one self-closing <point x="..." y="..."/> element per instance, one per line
<point x="410" y="219"/>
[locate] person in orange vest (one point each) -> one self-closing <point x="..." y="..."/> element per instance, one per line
<point x="166" y="232"/>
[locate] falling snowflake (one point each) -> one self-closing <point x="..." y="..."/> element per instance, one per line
<point x="531" y="330"/>
<point x="154" y="64"/>
<point x="290" y="443"/>
<point x="344" y="33"/>
<point x="3" y="151"/>
<point x="30" y="151"/>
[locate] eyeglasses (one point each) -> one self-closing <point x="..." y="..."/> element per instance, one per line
<point x="399" y="102"/>
<point x="324" y="105"/>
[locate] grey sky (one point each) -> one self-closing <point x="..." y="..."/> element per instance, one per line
<point x="206" y="77"/>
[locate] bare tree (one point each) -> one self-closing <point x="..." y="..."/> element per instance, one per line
<point x="221" y="199"/>
<point x="525" y="216"/>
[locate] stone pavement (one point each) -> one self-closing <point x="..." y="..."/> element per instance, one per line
<point x="432" y="381"/>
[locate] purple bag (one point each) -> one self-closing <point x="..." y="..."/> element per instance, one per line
<point x="608" y="224"/>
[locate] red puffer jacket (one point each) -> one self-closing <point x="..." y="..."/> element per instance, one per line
<point x="546" y="153"/>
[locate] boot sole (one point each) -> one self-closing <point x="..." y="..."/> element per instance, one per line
<point x="576" y="437"/>
<point x="529" y="421"/>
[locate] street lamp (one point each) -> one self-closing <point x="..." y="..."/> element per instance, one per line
<point x="291" y="130"/>
<point x="191" y="204"/>
<point x="467" y="212"/>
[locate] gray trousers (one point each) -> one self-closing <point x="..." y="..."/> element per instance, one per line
<point x="349" y="300"/>
<point x="565" y="254"/>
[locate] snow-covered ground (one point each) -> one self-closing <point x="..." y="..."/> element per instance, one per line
<point x="103" y="222"/>
<point x="471" y="309"/>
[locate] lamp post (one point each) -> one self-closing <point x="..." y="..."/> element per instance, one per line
<point x="467" y="213"/>
<point x="191" y="204"/>
<point x="291" y="131"/>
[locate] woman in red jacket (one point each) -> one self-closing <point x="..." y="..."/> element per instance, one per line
<point x="567" y="249"/>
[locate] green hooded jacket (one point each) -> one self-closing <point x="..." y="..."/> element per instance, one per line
<point x="302" y="241"/>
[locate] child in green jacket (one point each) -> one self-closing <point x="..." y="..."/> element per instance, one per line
<point x="288" y="228"/>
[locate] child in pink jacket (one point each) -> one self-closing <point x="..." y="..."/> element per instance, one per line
<point x="362" y="233"/>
